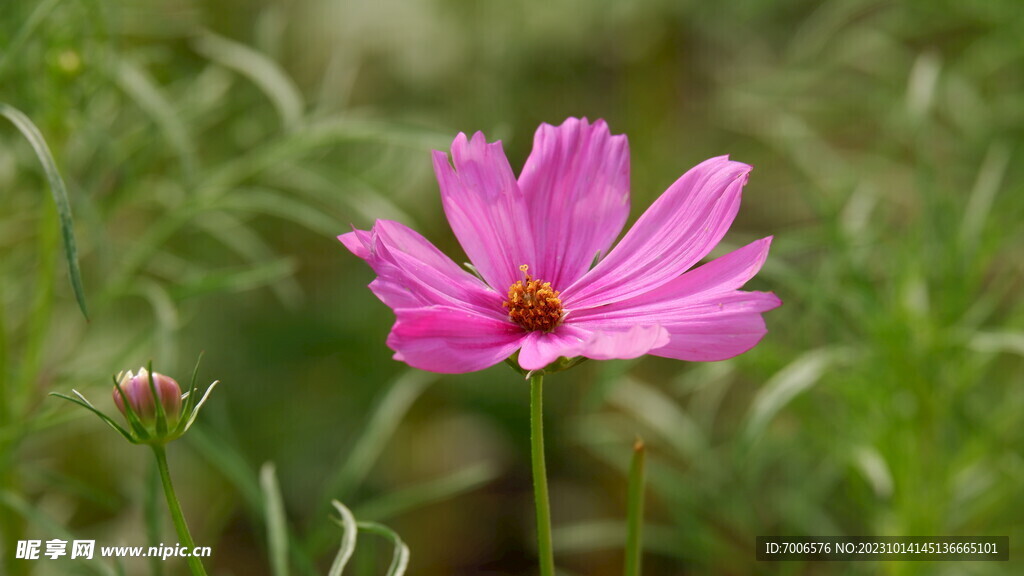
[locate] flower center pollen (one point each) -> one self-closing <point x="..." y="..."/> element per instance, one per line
<point x="533" y="304"/>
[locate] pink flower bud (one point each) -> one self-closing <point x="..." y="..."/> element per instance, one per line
<point x="140" y="396"/>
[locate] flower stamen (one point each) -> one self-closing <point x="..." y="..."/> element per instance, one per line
<point x="534" y="304"/>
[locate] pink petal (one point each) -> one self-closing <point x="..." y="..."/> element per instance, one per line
<point x="679" y="229"/>
<point x="486" y="209"/>
<point x="413" y="273"/>
<point x="542" y="348"/>
<point x="576" y="183"/>
<point x="357" y="242"/>
<point x="667" y="304"/>
<point x="706" y="317"/>
<point x="451" y="340"/>
<point x="706" y="327"/>
<point x="624" y="345"/>
<point x="727" y="272"/>
<point x="720" y="328"/>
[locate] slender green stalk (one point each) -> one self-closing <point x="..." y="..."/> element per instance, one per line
<point x="153" y="519"/>
<point x="540" y="477"/>
<point x="194" y="563"/>
<point x="635" y="510"/>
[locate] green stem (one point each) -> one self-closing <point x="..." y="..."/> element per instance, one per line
<point x="635" y="511"/>
<point x="194" y="563"/>
<point x="540" y="477"/>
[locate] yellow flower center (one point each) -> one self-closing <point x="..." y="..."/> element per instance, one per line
<point x="533" y="304"/>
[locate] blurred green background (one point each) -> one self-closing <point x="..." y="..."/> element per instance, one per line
<point x="213" y="150"/>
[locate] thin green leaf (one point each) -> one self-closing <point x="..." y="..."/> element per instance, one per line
<point x="276" y="204"/>
<point x="1005" y="341"/>
<point x="872" y="465"/>
<point x="360" y="197"/>
<point x="243" y="240"/>
<point x="88" y="406"/>
<point x="191" y="398"/>
<point x="348" y="539"/>
<point x="231" y="463"/>
<point x="437" y="490"/>
<point x="260" y="69"/>
<point x="389" y="412"/>
<point x="166" y="315"/>
<point x="356" y="463"/>
<point x="195" y="411"/>
<point x="662" y="414"/>
<point x="277" y="522"/>
<point x="796" y="377"/>
<point x="236" y="280"/>
<point x="142" y="252"/>
<point x="60" y="197"/>
<point x="148" y="96"/>
<point x="990" y="179"/>
<point x="328" y="132"/>
<point x="400" y="558"/>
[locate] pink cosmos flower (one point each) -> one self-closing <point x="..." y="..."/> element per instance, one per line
<point x="533" y="241"/>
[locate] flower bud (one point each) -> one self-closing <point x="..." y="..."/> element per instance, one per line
<point x="140" y="396"/>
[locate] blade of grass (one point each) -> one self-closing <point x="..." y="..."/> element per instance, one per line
<point x="328" y="132"/>
<point x="663" y="415"/>
<point x="166" y="315"/>
<point x="260" y="69"/>
<point x="798" y="376"/>
<point x="348" y="539"/>
<point x="400" y="558"/>
<point x="230" y="463"/>
<point x="279" y="205"/>
<point x="385" y="419"/>
<point x="360" y="197"/>
<point x="990" y="179"/>
<point x="244" y="241"/>
<point x="277" y="523"/>
<point x="148" y="96"/>
<point x="235" y="280"/>
<point x="356" y="463"/>
<point x="60" y="197"/>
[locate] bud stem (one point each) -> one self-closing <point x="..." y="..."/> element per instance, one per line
<point x="194" y="563"/>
